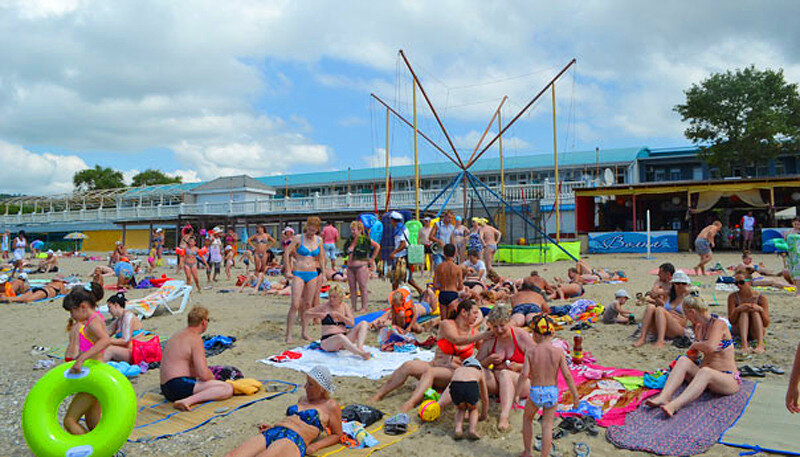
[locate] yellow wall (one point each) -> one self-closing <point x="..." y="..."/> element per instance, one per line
<point x="104" y="240"/>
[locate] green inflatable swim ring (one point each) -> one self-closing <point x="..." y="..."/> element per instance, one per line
<point x="780" y="244"/>
<point x="413" y="230"/>
<point x="45" y="435"/>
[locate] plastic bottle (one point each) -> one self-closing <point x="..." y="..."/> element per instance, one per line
<point x="693" y="354"/>
<point x="577" y="348"/>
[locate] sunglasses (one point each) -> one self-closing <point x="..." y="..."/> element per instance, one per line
<point x="741" y="282"/>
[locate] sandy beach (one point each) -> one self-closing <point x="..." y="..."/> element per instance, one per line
<point x="258" y="323"/>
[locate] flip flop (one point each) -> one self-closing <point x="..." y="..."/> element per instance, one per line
<point x="747" y="371"/>
<point x="772" y="369"/>
<point x="581" y="449"/>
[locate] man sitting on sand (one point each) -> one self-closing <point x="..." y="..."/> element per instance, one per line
<point x="703" y="244"/>
<point x="185" y="377"/>
<point x="659" y="294"/>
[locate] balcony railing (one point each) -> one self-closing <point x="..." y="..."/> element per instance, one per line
<point x="306" y="205"/>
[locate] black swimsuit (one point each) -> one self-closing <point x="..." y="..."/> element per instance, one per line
<point x="328" y="320"/>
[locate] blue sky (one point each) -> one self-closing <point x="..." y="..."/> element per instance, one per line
<point x="203" y="90"/>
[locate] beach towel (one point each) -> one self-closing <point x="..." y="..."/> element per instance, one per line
<point x="597" y="387"/>
<point x="693" y="429"/>
<point x="765" y="424"/>
<point x="344" y="363"/>
<point x="156" y="418"/>
<point x="145" y="307"/>
<point x="378" y="433"/>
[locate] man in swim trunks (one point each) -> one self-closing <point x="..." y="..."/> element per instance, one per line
<point x="330" y="235"/>
<point x="703" y="244"/>
<point x="448" y="278"/>
<point x="185" y="377"/>
<point x="527" y="302"/>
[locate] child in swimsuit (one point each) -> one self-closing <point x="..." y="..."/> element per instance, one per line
<point x="92" y="340"/>
<point x="542" y="364"/>
<point x="466" y="388"/>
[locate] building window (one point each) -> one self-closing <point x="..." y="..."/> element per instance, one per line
<point x="697" y="174"/>
<point x="659" y="174"/>
<point x="674" y="174"/>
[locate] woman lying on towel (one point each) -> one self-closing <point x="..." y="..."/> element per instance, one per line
<point x="717" y="372"/>
<point x="335" y="316"/>
<point x="52" y="289"/>
<point x="304" y="422"/>
<point x="123" y="330"/>
<point x="668" y="320"/>
<point x="456" y="342"/>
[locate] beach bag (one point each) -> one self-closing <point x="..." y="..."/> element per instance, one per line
<point x="146" y="351"/>
<point x="367" y="415"/>
<point x="240" y="280"/>
<point x="416" y="254"/>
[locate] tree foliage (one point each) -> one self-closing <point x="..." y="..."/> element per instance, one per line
<point x="742" y="118"/>
<point x="98" y="178"/>
<point x="151" y="177"/>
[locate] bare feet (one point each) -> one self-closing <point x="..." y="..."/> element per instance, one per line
<point x="305" y="337"/>
<point x="503" y="425"/>
<point x="654" y="402"/>
<point x="458" y="435"/>
<point x="473" y="436"/>
<point x="745" y="350"/>
<point x="638" y="343"/>
<point x="375" y="398"/>
<point x="667" y="410"/>
<point x="526" y="454"/>
<point x="759" y="349"/>
<point x="659" y="344"/>
<point x="181" y="405"/>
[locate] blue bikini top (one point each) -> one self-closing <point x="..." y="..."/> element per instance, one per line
<point x="303" y="251"/>
<point x="309" y="416"/>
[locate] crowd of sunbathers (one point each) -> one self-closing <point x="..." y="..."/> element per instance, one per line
<point x="492" y="334"/>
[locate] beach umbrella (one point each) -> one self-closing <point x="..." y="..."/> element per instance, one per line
<point x="77" y="236"/>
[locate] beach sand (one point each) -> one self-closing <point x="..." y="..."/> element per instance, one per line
<point x="258" y="323"/>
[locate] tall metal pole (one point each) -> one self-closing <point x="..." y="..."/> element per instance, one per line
<point x="502" y="221"/>
<point x="386" y="189"/>
<point x="555" y="156"/>
<point x="416" y="153"/>
<point x="596" y="162"/>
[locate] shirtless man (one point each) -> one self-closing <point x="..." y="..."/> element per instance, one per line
<point x="448" y="279"/>
<point x="660" y="291"/>
<point x="490" y="237"/>
<point x="424" y="236"/>
<point x="528" y="301"/>
<point x="703" y="244"/>
<point x="49" y="264"/>
<point x="185" y="377"/>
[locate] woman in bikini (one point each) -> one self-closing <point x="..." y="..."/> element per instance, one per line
<point x="335" y="316"/>
<point x="125" y="328"/>
<point x="52" y="289"/>
<point x="748" y="312"/>
<point x="571" y="289"/>
<point x="668" y="320"/>
<point x="158" y="242"/>
<point x="456" y="342"/>
<point x="362" y="252"/>
<point x="261" y="243"/>
<point x="190" y="263"/>
<point x="717" y="372"/>
<point x="503" y="355"/>
<point x="305" y="260"/>
<point x="305" y="422"/>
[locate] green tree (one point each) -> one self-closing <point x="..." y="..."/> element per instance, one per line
<point x="151" y="177"/>
<point x="97" y="178"/>
<point x="741" y="118"/>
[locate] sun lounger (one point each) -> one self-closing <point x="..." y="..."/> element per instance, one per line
<point x="170" y="292"/>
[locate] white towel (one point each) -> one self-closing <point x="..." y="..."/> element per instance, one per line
<point x="345" y="363"/>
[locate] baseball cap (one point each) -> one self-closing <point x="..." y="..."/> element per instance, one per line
<point x="288" y="229"/>
<point x="396" y="216"/>
<point x="622" y="293"/>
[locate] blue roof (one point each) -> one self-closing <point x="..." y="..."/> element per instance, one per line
<point x="542" y="161"/>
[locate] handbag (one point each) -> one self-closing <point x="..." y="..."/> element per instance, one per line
<point x="146" y="351"/>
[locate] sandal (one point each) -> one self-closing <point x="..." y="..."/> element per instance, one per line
<point x="581" y="449"/>
<point x="396" y="425"/>
<point x="747" y="370"/>
<point x="537" y="445"/>
<point x="572" y="424"/>
<point x="772" y="368"/>
<point x="591" y="425"/>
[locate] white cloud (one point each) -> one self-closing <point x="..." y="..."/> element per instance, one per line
<point x="27" y="172"/>
<point x="378" y="159"/>
<point x="352" y="121"/>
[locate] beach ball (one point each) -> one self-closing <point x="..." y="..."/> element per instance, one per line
<point x="429" y="411"/>
<point x="522" y="241"/>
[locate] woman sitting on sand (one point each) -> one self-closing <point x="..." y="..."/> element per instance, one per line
<point x="335" y="316"/>
<point x="54" y="288"/>
<point x="456" y="342"/>
<point x="306" y="421"/>
<point x="503" y="354"/>
<point x="718" y="371"/>
<point x="571" y="289"/>
<point x="361" y="253"/>
<point x="748" y="312"/>
<point x="668" y="320"/>
<point x="305" y="260"/>
<point x="125" y="328"/>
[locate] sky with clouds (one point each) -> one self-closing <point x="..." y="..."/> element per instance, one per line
<point x="203" y="89"/>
